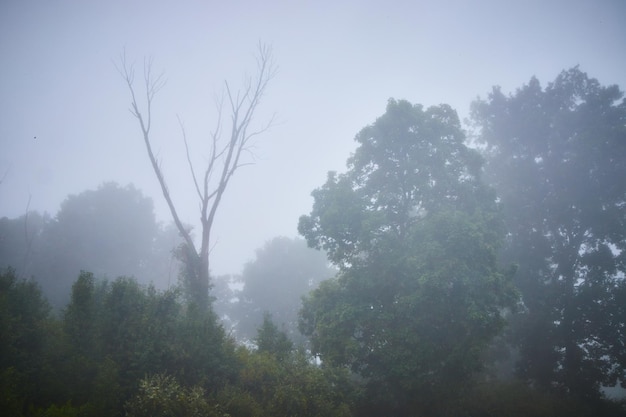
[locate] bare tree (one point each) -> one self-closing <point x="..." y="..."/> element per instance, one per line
<point x="225" y="152"/>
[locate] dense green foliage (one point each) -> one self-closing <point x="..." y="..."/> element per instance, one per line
<point x="163" y="396"/>
<point x="557" y="157"/>
<point x="119" y="332"/>
<point x="123" y="349"/>
<point x="24" y="344"/>
<point x="415" y="233"/>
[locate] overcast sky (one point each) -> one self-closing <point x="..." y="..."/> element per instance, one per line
<point x="339" y="62"/>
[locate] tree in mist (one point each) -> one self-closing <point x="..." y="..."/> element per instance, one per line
<point x="224" y="159"/>
<point x="557" y="158"/>
<point x="415" y="232"/>
<point x="270" y="339"/>
<point x="284" y="270"/>
<point x="109" y="231"/>
<point x="225" y="291"/>
<point x="21" y="241"/>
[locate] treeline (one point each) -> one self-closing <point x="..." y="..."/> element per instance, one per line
<point x="122" y="349"/>
<point x="511" y="253"/>
<point x="110" y="231"/>
<point x="485" y="280"/>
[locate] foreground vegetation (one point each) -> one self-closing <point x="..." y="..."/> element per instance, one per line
<point x="120" y="349"/>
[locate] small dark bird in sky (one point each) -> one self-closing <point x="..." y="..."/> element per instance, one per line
<point x="34" y="137"/>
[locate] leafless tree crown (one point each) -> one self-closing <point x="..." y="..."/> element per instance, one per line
<point x="226" y="144"/>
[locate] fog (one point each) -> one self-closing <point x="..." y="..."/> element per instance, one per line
<point x="459" y="164"/>
<point x="65" y="125"/>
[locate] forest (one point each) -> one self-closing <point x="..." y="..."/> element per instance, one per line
<point x="453" y="269"/>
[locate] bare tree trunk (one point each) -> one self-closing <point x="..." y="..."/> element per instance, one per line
<point x="224" y="160"/>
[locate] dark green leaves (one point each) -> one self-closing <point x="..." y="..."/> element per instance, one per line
<point x="271" y="340"/>
<point x="416" y="234"/>
<point x="410" y="162"/>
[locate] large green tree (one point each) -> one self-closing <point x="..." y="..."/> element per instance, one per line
<point x="415" y="232"/>
<point x="557" y="157"/>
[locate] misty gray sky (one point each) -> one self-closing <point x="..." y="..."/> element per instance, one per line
<point x="339" y="62"/>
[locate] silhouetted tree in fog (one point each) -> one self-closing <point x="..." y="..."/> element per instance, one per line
<point x="223" y="160"/>
<point x="21" y="241"/>
<point x="557" y="158"/>
<point x="284" y="270"/>
<point x="110" y="231"/>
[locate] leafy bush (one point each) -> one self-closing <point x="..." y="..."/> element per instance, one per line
<point x="162" y="396"/>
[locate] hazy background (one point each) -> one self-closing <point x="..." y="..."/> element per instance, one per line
<point x="338" y="62"/>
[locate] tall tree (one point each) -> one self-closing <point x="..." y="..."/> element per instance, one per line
<point x="414" y="231"/>
<point x="557" y="157"/>
<point x="224" y="158"/>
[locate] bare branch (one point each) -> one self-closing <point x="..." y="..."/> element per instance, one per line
<point x="215" y="136"/>
<point x="193" y="172"/>
<point x="152" y="87"/>
<point x="4" y="176"/>
<point x="242" y="108"/>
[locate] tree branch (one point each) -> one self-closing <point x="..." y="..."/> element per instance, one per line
<point x="4" y="176"/>
<point x="152" y="87"/>
<point x="193" y="172"/>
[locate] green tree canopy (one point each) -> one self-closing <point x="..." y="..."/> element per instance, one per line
<point x="557" y="157"/>
<point x="415" y="233"/>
